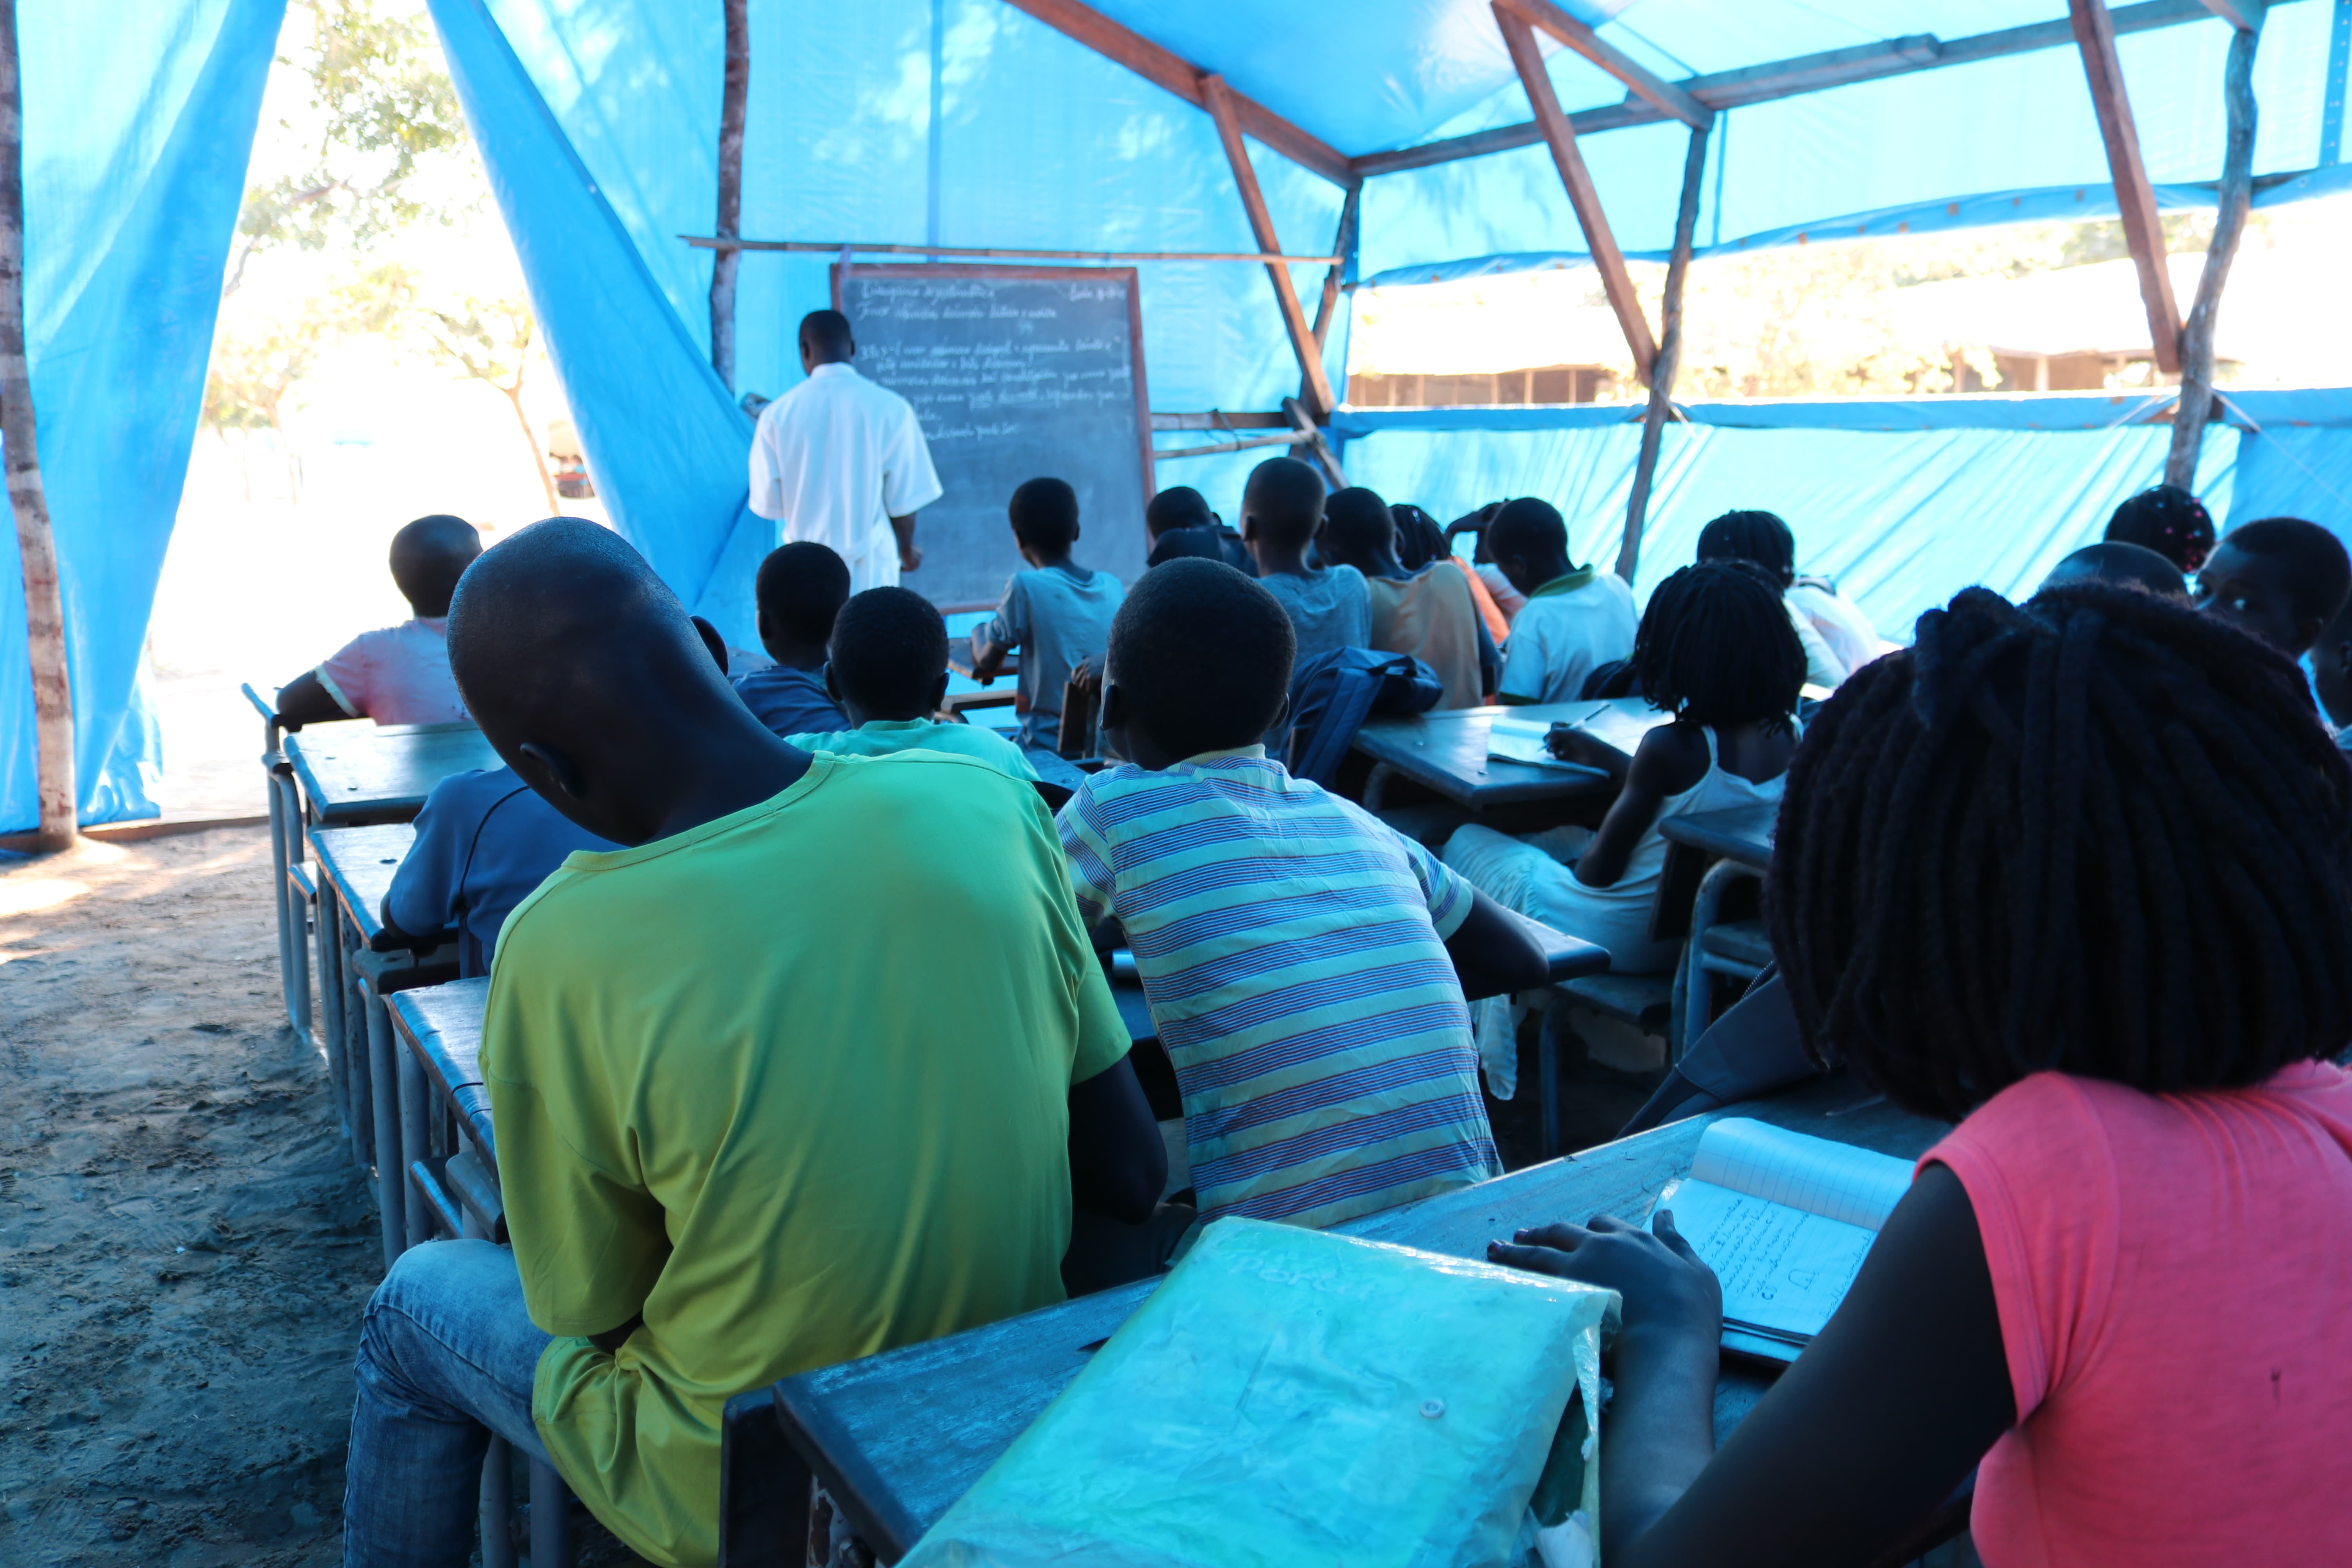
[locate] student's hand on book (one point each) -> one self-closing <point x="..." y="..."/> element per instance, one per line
<point x="1667" y="1291"/>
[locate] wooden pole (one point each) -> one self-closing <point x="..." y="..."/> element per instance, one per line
<point x="1343" y="244"/>
<point x="734" y="90"/>
<point x="1220" y="104"/>
<point x="2196" y="405"/>
<point x="1669" y="360"/>
<point x="1615" y="282"/>
<point x="45" y="616"/>
<point x="1666" y="97"/>
<point x="2095" y="36"/>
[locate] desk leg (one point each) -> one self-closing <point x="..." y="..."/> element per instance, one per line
<point x="279" y="828"/>
<point x="359" y="1079"/>
<point x="1376" y="785"/>
<point x="416" y="1141"/>
<point x="383" y="1089"/>
<point x="550" y="1518"/>
<point x="331" y="1003"/>
<point x="497" y="1506"/>
<point x="297" y="970"/>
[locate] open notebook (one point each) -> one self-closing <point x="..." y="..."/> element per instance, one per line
<point x="1785" y="1221"/>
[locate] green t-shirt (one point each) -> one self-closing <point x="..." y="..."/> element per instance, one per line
<point x="794" y="1084"/>
<point x="880" y="737"/>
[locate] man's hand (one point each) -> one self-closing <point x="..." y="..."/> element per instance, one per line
<point x="910" y="554"/>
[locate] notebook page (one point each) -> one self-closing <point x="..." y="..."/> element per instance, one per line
<point x="1782" y="1269"/>
<point x="1836" y="1181"/>
<point x="1522" y="741"/>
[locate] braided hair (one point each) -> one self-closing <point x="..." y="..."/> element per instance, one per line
<point x="2169" y="520"/>
<point x="1758" y="536"/>
<point x="2101" y="834"/>
<point x="1715" y="647"/>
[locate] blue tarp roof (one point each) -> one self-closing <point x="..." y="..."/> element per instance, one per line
<point x="598" y="121"/>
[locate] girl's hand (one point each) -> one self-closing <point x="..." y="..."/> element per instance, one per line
<point x="1667" y="1291"/>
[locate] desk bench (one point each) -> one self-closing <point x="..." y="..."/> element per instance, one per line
<point x="897" y="1438"/>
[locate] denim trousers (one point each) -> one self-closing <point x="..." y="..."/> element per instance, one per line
<point x="446" y="1356"/>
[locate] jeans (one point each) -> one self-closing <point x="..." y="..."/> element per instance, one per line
<point x="446" y="1356"/>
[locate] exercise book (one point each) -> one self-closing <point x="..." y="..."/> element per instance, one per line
<point x="1785" y="1221"/>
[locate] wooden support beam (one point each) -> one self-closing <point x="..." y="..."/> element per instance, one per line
<point x="1163" y="69"/>
<point x="1343" y="249"/>
<point x="1670" y="353"/>
<point x="1615" y="282"/>
<point x="2246" y="16"/>
<point x="2135" y="197"/>
<point x="1793" y="78"/>
<point x="735" y="88"/>
<point x="1223" y="110"/>
<point x="1666" y="98"/>
<point x="1218" y="419"/>
<point x="2235" y="196"/>
<point x="1311" y="436"/>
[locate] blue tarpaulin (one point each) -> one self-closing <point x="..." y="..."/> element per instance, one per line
<point x="969" y="122"/>
<point x="139" y="121"/>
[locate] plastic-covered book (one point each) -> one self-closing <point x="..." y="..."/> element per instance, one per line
<point x="1289" y="1396"/>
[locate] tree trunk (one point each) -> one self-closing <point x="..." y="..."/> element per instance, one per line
<point x="44" y="618"/>
<point x="2196" y="405"/>
<point x="1666" y="362"/>
<point x="735" y="90"/>
<point x="513" y="395"/>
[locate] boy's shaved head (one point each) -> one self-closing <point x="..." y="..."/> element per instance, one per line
<point x="429" y="556"/>
<point x="1357" y="524"/>
<point x="561" y="625"/>
<point x="1527" y="527"/>
<point x="889" y="653"/>
<point x="1284" y="498"/>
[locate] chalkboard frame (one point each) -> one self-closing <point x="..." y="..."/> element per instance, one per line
<point x="1128" y="276"/>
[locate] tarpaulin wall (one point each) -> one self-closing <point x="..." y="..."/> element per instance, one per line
<point x="137" y="133"/>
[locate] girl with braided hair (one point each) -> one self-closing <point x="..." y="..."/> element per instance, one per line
<point x="1715" y="650"/>
<point x="2079" y="875"/>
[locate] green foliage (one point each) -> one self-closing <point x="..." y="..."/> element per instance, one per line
<point x="382" y="110"/>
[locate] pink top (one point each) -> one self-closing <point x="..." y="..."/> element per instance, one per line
<point x="2174" y="1278"/>
<point x="399" y="675"/>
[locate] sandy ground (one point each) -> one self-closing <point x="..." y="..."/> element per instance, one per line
<point x="185" y="1246"/>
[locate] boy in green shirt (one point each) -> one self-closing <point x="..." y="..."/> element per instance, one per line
<point x="888" y="671"/>
<point x="737" y="1135"/>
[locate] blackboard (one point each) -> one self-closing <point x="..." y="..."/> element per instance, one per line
<point x="1015" y="372"/>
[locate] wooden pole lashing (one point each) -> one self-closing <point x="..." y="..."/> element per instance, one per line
<point x="1669" y="360"/>
<point x="734" y="90"/>
<point x="1607" y="259"/>
<point x="44" y="615"/>
<point x="2235" y="196"/>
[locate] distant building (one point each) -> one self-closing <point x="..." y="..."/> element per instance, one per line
<point x="1531" y="383"/>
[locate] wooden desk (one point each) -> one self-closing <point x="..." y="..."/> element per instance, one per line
<point x="360" y="772"/>
<point x="898" y="1437"/>
<point x="1721" y="834"/>
<point x="441" y="1026"/>
<point x="360" y="863"/>
<point x="1446" y="751"/>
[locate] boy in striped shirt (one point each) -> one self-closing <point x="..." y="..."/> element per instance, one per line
<point x="1305" y="964"/>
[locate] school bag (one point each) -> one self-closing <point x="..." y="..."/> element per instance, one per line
<point x="1333" y="693"/>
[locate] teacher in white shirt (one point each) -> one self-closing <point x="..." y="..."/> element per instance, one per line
<point x="842" y="461"/>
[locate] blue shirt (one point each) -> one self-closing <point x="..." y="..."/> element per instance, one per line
<point x="790" y="701"/>
<point x="1058" y="622"/>
<point x="1292" y="948"/>
<point x="485" y="841"/>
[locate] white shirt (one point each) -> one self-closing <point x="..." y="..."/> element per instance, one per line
<point x="834" y="460"/>
<point x="1846" y="629"/>
<point x="1563" y="634"/>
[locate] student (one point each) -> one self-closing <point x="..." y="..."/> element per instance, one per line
<point x="2120" y="1290"/>
<point x="484" y="844"/>
<point x="1838" y="640"/>
<point x="1509" y="601"/>
<point x="1300" y="958"/>
<point x="2124" y="565"/>
<point x="739" y="1135"/>
<point x="1716" y="650"/>
<point x="399" y="675"/>
<point x="1058" y="612"/>
<point x="1282" y="510"/>
<point x="2169" y="520"/>
<point x="1429" y="615"/>
<point x="1575" y="619"/>
<point x="1420" y="544"/>
<point x="1178" y="521"/>
<point x="2331" y="675"/>
<point x="801" y="588"/>
<point x="889" y="672"/>
<point x="2279" y="580"/>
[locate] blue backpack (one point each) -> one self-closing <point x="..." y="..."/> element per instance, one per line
<point x="1333" y="693"/>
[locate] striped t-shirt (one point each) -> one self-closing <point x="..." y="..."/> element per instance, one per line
<point x="1292" y="949"/>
